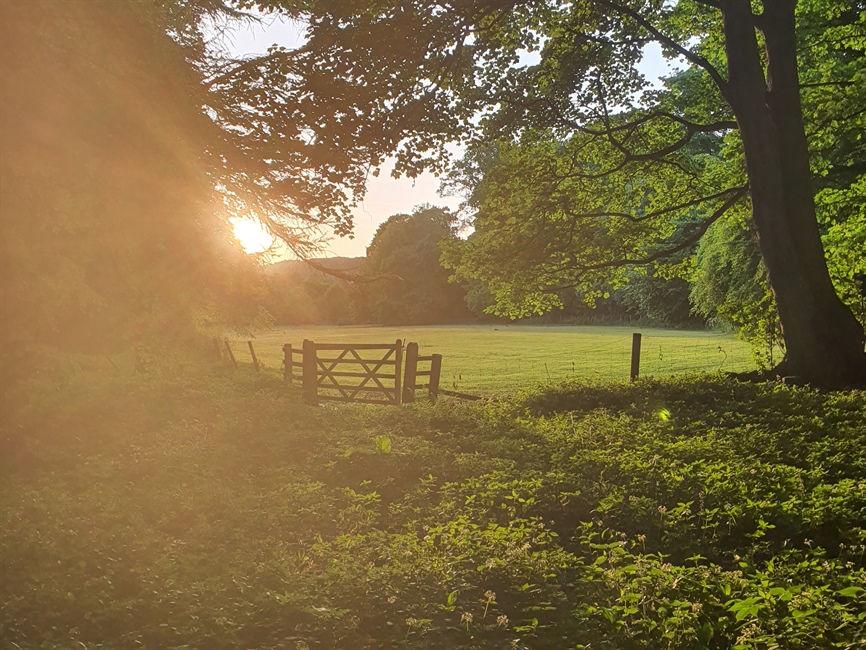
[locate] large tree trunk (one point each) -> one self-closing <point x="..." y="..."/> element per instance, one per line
<point x="824" y="341"/>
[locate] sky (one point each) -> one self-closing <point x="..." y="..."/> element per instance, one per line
<point x="386" y="195"/>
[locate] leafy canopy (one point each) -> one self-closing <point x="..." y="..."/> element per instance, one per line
<point x="405" y="281"/>
<point x="592" y="167"/>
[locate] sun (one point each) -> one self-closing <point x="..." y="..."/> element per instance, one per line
<point x="252" y="236"/>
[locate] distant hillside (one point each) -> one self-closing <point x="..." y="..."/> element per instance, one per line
<point x="299" y="294"/>
<point x="302" y="270"/>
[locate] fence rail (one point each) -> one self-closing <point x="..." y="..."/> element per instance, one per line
<point x="372" y="371"/>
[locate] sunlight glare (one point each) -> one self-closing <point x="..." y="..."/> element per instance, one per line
<point x="252" y="235"/>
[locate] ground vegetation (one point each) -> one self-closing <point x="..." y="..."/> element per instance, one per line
<point x="209" y="509"/>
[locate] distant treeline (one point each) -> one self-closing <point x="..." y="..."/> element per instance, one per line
<point x="402" y="280"/>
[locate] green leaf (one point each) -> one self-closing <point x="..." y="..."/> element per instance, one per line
<point x="383" y="444"/>
<point x="850" y="592"/>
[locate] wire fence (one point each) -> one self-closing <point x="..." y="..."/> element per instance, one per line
<point x="499" y="359"/>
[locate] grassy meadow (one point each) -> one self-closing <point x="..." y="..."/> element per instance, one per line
<point x="199" y="507"/>
<point x="496" y="358"/>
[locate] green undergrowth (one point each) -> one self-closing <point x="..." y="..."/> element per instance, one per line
<point x="188" y="509"/>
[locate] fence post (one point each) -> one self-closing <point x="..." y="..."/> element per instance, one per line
<point x="398" y="397"/>
<point x="231" y="354"/>
<point x="287" y="363"/>
<point x="635" y="355"/>
<point x="311" y="392"/>
<point x="411" y="370"/>
<point x="253" y="355"/>
<point x="435" y="371"/>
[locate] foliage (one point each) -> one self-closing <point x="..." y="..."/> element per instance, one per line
<point x="845" y="242"/>
<point x="541" y="226"/>
<point x="833" y="74"/>
<point x="172" y="510"/>
<point x="585" y="167"/>
<point x="555" y="214"/>
<point x="298" y="294"/>
<point x="400" y="281"/>
<point x="660" y="299"/>
<point x="731" y="283"/>
<point x="113" y="233"/>
<point x="404" y="281"/>
<point x="731" y="288"/>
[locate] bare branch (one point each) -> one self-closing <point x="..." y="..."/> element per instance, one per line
<point x="669" y="42"/>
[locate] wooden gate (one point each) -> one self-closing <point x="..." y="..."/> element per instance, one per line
<point x="363" y="372"/>
<point x="413" y="373"/>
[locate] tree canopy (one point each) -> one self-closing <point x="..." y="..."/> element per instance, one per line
<point x="577" y="166"/>
<point x="598" y="157"/>
<point x="406" y="284"/>
<point x="114" y="233"/>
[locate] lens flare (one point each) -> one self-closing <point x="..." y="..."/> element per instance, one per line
<point x="252" y="235"/>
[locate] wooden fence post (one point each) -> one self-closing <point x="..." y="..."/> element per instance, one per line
<point x="398" y="397"/>
<point x="435" y="371"/>
<point x="635" y="356"/>
<point x="311" y="391"/>
<point x="287" y="363"/>
<point x="253" y="355"/>
<point x="411" y="370"/>
<point x="231" y="354"/>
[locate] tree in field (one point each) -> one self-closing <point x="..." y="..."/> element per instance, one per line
<point x="377" y="78"/>
<point x="406" y="283"/>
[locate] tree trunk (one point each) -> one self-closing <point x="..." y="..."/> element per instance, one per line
<point x="824" y="341"/>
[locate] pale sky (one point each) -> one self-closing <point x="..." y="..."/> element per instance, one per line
<point x="385" y="196"/>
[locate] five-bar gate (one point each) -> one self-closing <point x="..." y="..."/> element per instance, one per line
<point x="370" y="373"/>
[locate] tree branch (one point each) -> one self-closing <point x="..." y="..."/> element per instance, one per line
<point x="247" y="64"/>
<point x="720" y="125"/>
<point x="843" y="84"/>
<point x="658" y="213"/>
<point x="630" y="157"/>
<point x="665" y="252"/>
<point x="669" y="42"/>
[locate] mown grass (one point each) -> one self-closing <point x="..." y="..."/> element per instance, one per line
<point x="497" y="358"/>
<point x="212" y="510"/>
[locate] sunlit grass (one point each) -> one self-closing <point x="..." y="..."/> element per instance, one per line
<point x="498" y="358"/>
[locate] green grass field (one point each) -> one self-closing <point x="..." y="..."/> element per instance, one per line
<point x="497" y="358"/>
